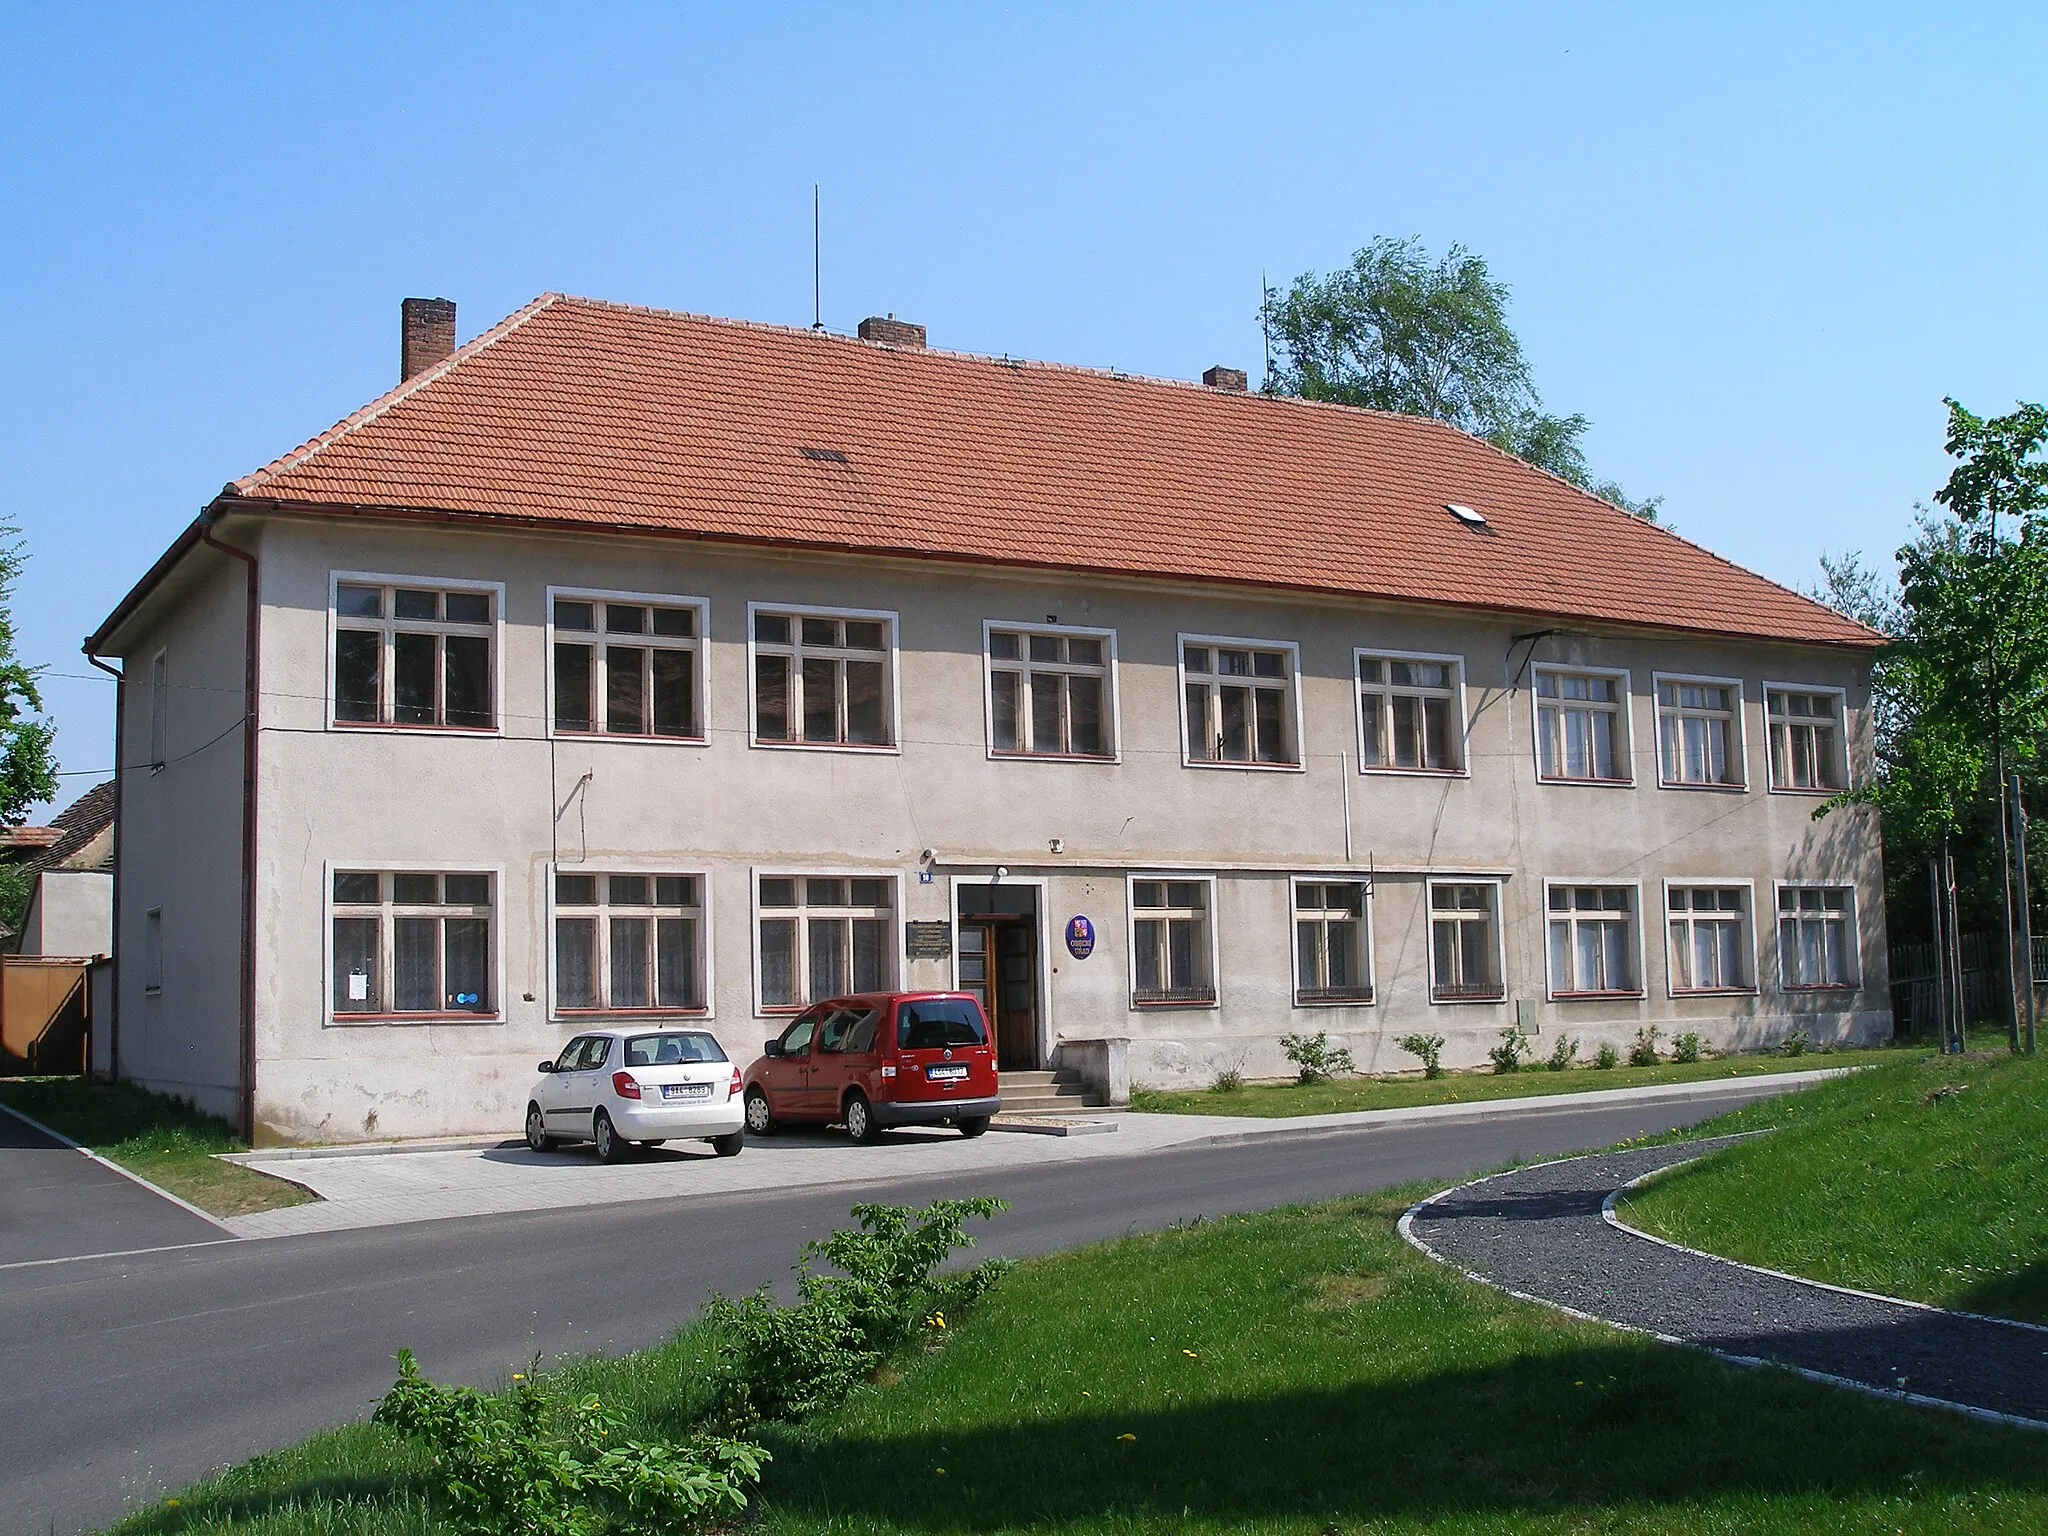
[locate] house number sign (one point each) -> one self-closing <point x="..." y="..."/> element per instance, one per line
<point x="1080" y="937"/>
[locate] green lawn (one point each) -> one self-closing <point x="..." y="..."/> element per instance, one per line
<point x="165" y="1140"/>
<point x="1356" y="1093"/>
<point x="1927" y="1178"/>
<point x="1301" y="1371"/>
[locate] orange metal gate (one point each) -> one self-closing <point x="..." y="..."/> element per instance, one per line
<point x="45" y="1017"/>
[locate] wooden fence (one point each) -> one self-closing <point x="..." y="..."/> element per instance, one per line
<point x="45" y="1015"/>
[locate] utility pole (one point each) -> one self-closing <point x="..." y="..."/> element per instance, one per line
<point x="2019" y="832"/>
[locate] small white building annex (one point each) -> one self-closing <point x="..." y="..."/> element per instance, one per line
<point x="625" y="664"/>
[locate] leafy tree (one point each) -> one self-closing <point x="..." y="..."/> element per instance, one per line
<point x="28" y="765"/>
<point x="1396" y="331"/>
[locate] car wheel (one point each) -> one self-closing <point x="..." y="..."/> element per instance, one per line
<point x="860" y="1120"/>
<point x="974" y="1125"/>
<point x="729" y="1145"/>
<point x="760" y="1121"/>
<point x="611" y="1146"/>
<point x="537" y="1137"/>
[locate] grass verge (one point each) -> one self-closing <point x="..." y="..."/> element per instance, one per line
<point x="1927" y="1179"/>
<point x="1301" y="1371"/>
<point x="1357" y="1093"/>
<point x="165" y="1140"/>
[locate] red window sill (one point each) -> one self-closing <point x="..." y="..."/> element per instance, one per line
<point x="1713" y="991"/>
<point x="1559" y="778"/>
<point x="1500" y="996"/>
<point x="1052" y="757"/>
<point x="1592" y="997"/>
<point x="1701" y="784"/>
<point x="1434" y="773"/>
<point x="394" y="725"/>
<point x="1825" y="986"/>
<point x="647" y="736"/>
<point x="1805" y="789"/>
<point x="829" y="746"/>
<point x="696" y="1012"/>
<point x="454" y="1016"/>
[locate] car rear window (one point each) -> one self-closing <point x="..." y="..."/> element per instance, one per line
<point x="671" y="1050"/>
<point x="933" y="1025"/>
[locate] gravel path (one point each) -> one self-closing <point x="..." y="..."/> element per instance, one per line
<point x="1539" y="1232"/>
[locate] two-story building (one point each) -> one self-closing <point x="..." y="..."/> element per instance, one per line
<point x="626" y="664"/>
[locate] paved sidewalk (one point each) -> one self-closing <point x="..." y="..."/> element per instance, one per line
<point x="429" y="1185"/>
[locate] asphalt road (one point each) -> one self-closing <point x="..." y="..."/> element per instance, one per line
<point x="122" y="1378"/>
<point x="54" y="1200"/>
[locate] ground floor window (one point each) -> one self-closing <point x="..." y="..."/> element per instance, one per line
<point x="1332" y="959"/>
<point x="1170" y="942"/>
<point x="1816" y="939"/>
<point x="628" y="942"/>
<point x="824" y="936"/>
<point x="1592" y="940"/>
<point x="1464" y="947"/>
<point x="1710" y="949"/>
<point x="413" y="943"/>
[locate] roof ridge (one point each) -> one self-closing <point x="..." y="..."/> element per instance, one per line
<point x="403" y="390"/>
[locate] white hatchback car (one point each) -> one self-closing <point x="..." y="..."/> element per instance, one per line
<point x="637" y="1086"/>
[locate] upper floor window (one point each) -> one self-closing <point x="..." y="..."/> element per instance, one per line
<point x="417" y="655"/>
<point x="1699" y="731"/>
<point x="1049" y="692"/>
<point x="823" y="678"/>
<point x="1465" y="943"/>
<point x="1238" y="700"/>
<point x="1582" y="725"/>
<point x="628" y="942"/>
<point x="1592" y="941"/>
<point x="1710" y="948"/>
<point x="1332" y="958"/>
<point x="412" y="942"/>
<point x="1171" y="955"/>
<point x="824" y="936"/>
<point x="159" y="709"/>
<point x="1411" y="713"/>
<point x="1806" y="738"/>
<point x="627" y="666"/>
<point x="1816" y="936"/>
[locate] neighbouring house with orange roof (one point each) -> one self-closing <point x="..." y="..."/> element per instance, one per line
<point x="70" y="864"/>
<point x="629" y="665"/>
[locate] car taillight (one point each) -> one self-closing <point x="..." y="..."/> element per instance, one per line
<point x="624" y="1086"/>
<point x="734" y="1091"/>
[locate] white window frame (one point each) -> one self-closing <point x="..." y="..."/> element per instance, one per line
<point x="1738" y="749"/>
<point x="501" y="1002"/>
<point x="596" y="1018"/>
<point x="1551" y="991"/>
<point x="1179" y="877"/>
<point x="887" y="617"/>
<point x="760" y="872"/>
<point x="1500" y="957"/>
<point x="1111" y="683"/>
<point x="1749" y="918"/>
<point x="1841" y="697"/>
<point x="1292" y="649"/>
<point x="1365" y="938"/>
<point x="160" y="709"/>
<point x="336" y="580"/>
<point x="1624" y="710"/>
<point x="1852" y="924"/>
<point x="1457" y="690"/>
<point x="700" y="644"/>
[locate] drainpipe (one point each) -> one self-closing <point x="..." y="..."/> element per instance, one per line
<point x="120" y="723"/>
<point x="249" y="701"/>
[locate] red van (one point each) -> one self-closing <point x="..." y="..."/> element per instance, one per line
<point x="883" y="1059"/>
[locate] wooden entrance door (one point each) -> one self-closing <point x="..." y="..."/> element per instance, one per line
<point x="999" y="966"/>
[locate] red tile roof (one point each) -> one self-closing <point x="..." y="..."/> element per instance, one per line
<point x="582" y="414"/>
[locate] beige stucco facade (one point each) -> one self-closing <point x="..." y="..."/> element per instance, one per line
<point x="936" y="814"/>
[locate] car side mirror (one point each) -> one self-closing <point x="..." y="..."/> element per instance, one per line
<point x="771" y="1047"/>
<point x="547" y="1066"/>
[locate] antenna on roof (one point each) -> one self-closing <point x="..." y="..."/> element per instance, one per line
<point x="817" y="261"/>
<point x="1266" y="326"/>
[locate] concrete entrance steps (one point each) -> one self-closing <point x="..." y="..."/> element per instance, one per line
<point x="1048" y="1093"/>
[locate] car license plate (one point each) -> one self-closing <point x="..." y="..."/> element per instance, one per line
<point x="687" y="1091"/>
<point x="947" y="1074"/>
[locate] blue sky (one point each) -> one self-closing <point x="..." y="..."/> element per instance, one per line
<point x="1756" y="245"/>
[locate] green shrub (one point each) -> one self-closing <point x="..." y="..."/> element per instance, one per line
<point x="1686" y="1048"/>
<point x="1430" y="1048"/>
<point x="1314" y="1058"/>
<point x="1563" y="1054"/>
<point x="786" y="1362"/>
<point x="532" y="1466"/>
<point x="1229" y="1080"/>
<point x="1794" y="1044"/>
<point x="1607" y="1058"/>
<point x="1507" y="1056"/>
<point x="1644" y="1052"/>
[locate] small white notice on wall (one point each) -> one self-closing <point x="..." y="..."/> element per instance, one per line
<point x="358" y="986"/>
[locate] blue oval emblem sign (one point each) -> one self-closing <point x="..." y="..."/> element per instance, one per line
<point x="1080" y="937"/>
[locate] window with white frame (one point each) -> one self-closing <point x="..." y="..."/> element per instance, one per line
<point x="1239" y="702"/>
<point x="823" y="679"/>
<point x="1582" y="726"/>
<point x="825" y="936"/>
<point x="1710" y="948"/>
<point x="1332" y="955"/>
<point x="1049" y="693"/>
<point x="628" y="942"/>
<point x="1816" y="936"/>
<point x="1592" y="940"/>
<point x="1699" y="731"/>
<point x="1806" y="738"/>
<point x="413" y="655"/>
<point x="412" y="942"/>
<point x="159" y="709"/>
<point x="1170" y="942"/>
<point x="1409" y="713"/>
<point x="1464" y="947"/>
<point x="627" y="667"/>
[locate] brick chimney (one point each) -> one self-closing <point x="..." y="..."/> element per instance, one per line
<point x="896" y="333"/>
<point x="1231" y="381"/>
<point x="426" y="335"/>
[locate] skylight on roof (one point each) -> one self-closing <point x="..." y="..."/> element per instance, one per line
<point x="1471" y="517"/>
